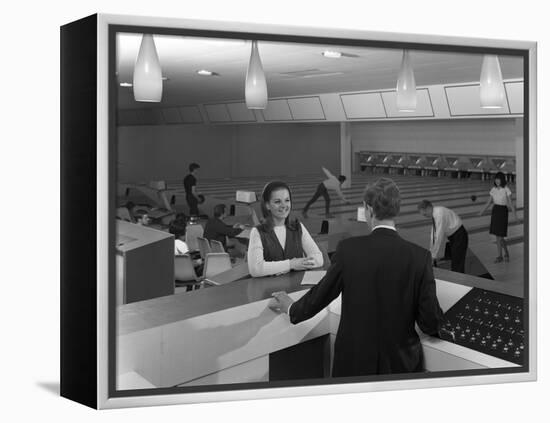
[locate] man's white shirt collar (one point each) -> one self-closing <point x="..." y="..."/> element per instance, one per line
<point x="385" y="227"/>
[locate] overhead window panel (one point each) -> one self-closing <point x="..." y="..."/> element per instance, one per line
<point x="423" y="104"/>
<point x="464" y="100"/>
<point x="171" y="115"/>
<point x="363" y="106"/>
<point x="150" y="117"/>
<point x="514" y="92"/>
<point x="306" y="108"/>
<point x="277" y="110"/>
<point x="217" y="113"/>
<point x="240" y="113"/>
<point x="191" y="114"/>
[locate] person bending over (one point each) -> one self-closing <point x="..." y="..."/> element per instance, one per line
<point x="331" y="183"/>
<point x="446" y="224"/>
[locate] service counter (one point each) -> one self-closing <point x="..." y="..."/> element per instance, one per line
<point x="227" y="334"/>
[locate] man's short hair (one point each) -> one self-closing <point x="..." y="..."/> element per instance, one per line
<point x="219" y="209"/>
<point x="384" y="198"/>
<point x="193" y="166"/>
<point x="177" y="228"/>
<point x="424" y="205"/>
<point x="342" y="179"/>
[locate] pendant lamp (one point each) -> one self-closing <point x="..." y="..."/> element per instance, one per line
<point x="406" y="86"/>
<point x="491" y="87"/>
<point x="255" y="91"/>
<point x="147" y="72"/>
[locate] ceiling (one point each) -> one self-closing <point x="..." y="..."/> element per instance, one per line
<point x="291" y="69"/>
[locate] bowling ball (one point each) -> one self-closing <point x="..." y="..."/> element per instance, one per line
<point x="473" y="197"/>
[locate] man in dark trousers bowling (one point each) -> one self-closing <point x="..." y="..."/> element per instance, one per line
<point x="446" y="224"/>
<point x="331" y="183"/>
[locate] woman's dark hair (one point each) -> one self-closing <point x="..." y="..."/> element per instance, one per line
<point x="502" y="178"/>
<point x="384" y="198"/>
<point x="342" y="179"/>
<point x="266" y="196"/>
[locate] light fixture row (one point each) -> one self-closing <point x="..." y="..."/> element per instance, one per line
<point x="147" y="81"/>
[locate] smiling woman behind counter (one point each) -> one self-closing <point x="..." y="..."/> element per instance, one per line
<point x="280" y="245"/>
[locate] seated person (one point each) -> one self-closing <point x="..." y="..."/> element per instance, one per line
<point x="177" y="228"/>
<point x="144" y="220"/>
<point x="218" y="230"/>
<point x="278" y="245"/>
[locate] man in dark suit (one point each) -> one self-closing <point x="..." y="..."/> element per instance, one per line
<point x="387" y="285"/>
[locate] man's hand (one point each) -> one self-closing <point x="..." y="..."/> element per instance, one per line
<point x="280" y="302"/>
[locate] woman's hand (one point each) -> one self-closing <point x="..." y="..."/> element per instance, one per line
<point x="302" y="263"/>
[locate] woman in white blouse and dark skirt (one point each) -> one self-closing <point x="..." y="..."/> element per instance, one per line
<point x="280" y="245"/>
<point x="501" y="197"/>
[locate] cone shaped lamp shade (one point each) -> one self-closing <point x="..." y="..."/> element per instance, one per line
<point x="255" y="90"/>
<point x="406" y="86"/>
<point x="147" y="72"/>
<point x="491" y="87"/>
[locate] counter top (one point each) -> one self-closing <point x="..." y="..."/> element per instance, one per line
<point x="161" y="311"/>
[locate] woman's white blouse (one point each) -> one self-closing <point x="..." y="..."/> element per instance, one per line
<point x="500" y="195"/>
<point x="257" y="266"/>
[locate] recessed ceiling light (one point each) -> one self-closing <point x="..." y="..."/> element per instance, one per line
<point x="204" y="72"/>
<point x="332" y="54"/>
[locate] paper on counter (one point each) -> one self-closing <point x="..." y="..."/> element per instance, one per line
<point x="312" y="277"/>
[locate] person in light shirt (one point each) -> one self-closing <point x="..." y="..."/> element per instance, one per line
<point x="279" y="245"/>
<point x="177" y="228"/>
<point x="331" y="183"/>
<point x="386" y="285"/>
<point x="446" y="225"/>
<point x="501" y="197"/>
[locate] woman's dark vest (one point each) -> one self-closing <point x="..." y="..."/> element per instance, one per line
<point x="272" y="247"/>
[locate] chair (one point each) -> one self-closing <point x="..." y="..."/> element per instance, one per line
<point x="215" y="264"/>
<point x="184" y="273"/>
<point x="204" y="247"/>
<point x="216" y="246"/>
<point x="192" y="232"/>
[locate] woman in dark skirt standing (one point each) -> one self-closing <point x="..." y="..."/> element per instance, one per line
<point x="501" y="197"/>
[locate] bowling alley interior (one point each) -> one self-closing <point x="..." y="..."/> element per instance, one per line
<point x="203" y="122"/>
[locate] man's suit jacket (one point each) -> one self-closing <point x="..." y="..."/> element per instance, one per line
<point x="387" y="285"/>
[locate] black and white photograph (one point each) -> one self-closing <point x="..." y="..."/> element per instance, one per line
<point x="299" y="210"/>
